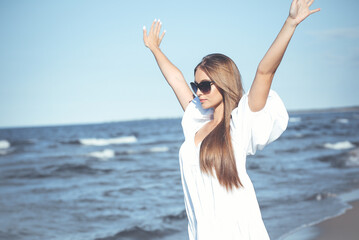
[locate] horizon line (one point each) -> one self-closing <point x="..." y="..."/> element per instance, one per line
<point x="300" y="111"/>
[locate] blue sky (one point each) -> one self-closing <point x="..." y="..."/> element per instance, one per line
<point x="69" y="62"/>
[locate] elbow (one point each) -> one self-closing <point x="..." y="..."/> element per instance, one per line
<point x="257" y="103"/>
<point x="265" y="75"/>
<point x="265" y="71"/>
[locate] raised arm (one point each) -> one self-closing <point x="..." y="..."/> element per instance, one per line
<point x="259" y="91"/>
<point x="171" y="73"/>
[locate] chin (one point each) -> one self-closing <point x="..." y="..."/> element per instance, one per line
<point x="205" y="106"/>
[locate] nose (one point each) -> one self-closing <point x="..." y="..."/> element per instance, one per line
<point x="198" y="93"/>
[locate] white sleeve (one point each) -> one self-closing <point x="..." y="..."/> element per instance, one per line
<point x="257" y="129"/>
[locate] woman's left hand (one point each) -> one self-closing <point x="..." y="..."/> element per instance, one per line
<point x="299" y="10"/>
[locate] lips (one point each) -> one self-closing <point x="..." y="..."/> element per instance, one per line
<point x="202" y="100"/>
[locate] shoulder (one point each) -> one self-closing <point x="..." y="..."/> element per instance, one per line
<point x="195" y="115"/>
<point x="272" y="101"/>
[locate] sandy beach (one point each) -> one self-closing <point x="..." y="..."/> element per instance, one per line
<point x="343" y="227"/>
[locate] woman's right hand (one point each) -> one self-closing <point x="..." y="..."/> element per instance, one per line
<point x="153" y="39"/>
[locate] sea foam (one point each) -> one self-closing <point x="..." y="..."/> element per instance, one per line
<point x="342" y="120"/>
<point x="159" y="149"/>
<point x="339" y="145"/>
<point x="353" y="158"/>
<point x="108" y="141"/>
<point x="105" y="154"/>
<point x="4" y="144"/>
<point x="294" y="119"/>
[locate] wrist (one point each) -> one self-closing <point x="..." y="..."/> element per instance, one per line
<point x="291" y="22"/>
<point x="154" y="49"/>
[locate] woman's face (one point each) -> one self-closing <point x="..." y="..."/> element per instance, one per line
<point x="211" y="99"/>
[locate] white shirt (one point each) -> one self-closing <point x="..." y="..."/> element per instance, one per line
<point x="214" y="213"/>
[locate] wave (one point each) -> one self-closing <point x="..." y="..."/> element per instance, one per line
<point x="162" y="142"/>
<point x="339" y="145"/>
<point x="25" y="173"/>
<point x="5" y="147"/>
<point x="64" y="170"/>
<point x="292" y="234"/>
<point x="108" y="141"/>
<point x="109" y="153"/>
<point x="159" y="149"/>
<point x="296" y="135"/>
<point x="342" y="120"/>
<point x="346" y="160"/>
<point x="303" y="230"/>
<point x="4" y="144"/>
<point x="294" y="119"/>
<point x="3" y="152"/>
<point x="321" y="196"/>
<point x="53" y="171"/>
<point x="253" y="166"/>
<point x="149" y="150"/>
<point x="175" y="217"/>
<point x="353" y="158"/>
<point x="24" y="142"/>
<point x="138" y="232"/>
<point x="289" y="150"/>
<point x="103" y="155"/>
<point x="102" y="141"/>
<point x="70" y="168"/>
<point x="125" y="190"/>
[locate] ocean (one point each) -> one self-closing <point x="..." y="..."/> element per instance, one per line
<point x="121" y="180"/>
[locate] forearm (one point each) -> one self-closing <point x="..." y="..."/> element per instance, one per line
<point x="299" y="10"/>
<point x="274" y="55"/>
<point x="171" y="73"/>
<point x="267" y="67"/>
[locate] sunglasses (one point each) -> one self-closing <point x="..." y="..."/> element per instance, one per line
<point x="204" y="86"/>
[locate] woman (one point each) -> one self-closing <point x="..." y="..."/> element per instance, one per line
<point x="221" y="126"/>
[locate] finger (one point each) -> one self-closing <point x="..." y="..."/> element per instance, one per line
<point x="315" y="10"/>
<point x="144" y="32"/>
<point x="294" y="4"/>
<point x="310" y="2"/>
<point x="145" y="39"/>
<point x="163" y="34"/>
<point x="152" y="26"/>
<point x="158" y="27"/>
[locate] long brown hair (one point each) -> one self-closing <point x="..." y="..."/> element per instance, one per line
<point x="216" y="149"/>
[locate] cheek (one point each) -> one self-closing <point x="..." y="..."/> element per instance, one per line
<point x="216" y="96"/>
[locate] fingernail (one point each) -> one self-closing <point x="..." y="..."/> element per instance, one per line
<point x="144" y="27"/>
<point x="155" y="20"/>
<point x="159" y="20"/>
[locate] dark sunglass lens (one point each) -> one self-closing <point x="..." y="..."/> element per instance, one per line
<point x="194" y="87"/>
<point x="205" y="87"/>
